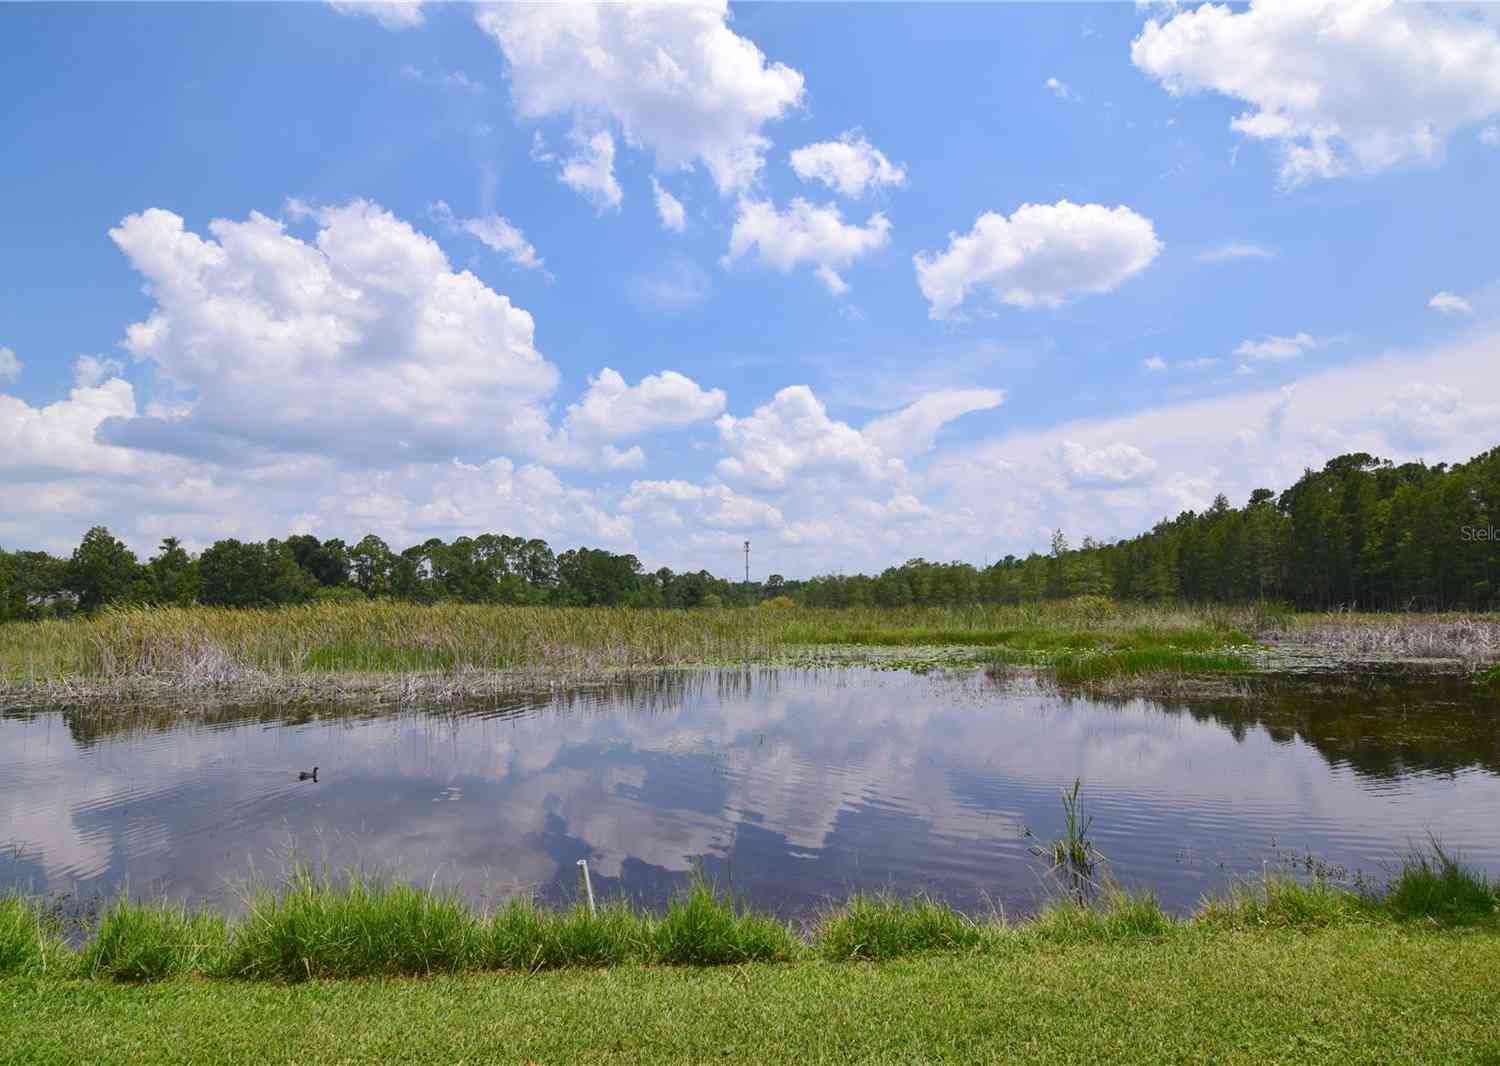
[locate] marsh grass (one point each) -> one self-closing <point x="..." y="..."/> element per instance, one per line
<point x="387" y="652"/>
<point x="30" y="942"/>
<point x="202" y="649"/>
<point x="1057" y="638"/>
<point x="1084" y="669"/>
<point x="1472" y="640"/>
<point x="1073" y="858"/>
<point x="153" y="940"/>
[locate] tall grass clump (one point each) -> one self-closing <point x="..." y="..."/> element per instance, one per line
<point x="152" y="941"/>
<point x="703" y="928"/>
<point x="29" y="941"/>
<point x="1434" y="886"/>
<point x="881" y="927"/>
<point x="1073" y="857"/>
<point x="525" y="936"/>
<point x="314" y="927"/>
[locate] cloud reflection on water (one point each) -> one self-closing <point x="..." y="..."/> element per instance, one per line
<point x="794" y="786"/>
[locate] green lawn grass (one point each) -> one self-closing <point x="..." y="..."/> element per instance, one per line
<point x="1376" y="994"/>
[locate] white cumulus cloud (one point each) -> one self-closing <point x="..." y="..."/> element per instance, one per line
<point x="611" y="408"/>
<point x="59" y="438"/>
<point x="674" y="77"/>
<point x="676" y="504"/>
<point x="1337" y="86"/>
<point x="1040" y="256"/>
<point x="851" y="165"/>
<point x="1112" y="464"/>
<point x="363" y="341"/>
<point x="805" y="233"/>
<point x="793" y="433"/>
<point x="10" y="365"/>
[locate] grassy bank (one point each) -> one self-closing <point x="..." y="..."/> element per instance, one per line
<point x="1353" y="995"/>
<point x="1277" y="971"/>
<point x="311" y="927"/>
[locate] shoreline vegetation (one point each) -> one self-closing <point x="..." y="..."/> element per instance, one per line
<point x="383" y="653"/>
<point x="1277" y="969"/>
<point x="317" y="927"/>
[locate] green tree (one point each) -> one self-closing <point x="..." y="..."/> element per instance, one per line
<point x="327" y="561"/>
<point x="33" y="585"/>
<point x="590" y="577"/>
<point x="173" y="574"/>
<point x="370" y="562"/>
<point x="248" y="574"/>
<point x="103" y="570"/>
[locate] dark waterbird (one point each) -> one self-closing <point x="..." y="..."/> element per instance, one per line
<point x="308" y="775"/>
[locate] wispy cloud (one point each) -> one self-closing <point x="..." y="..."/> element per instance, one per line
<point x="1450" y="304"/>
<point x="1276" y="348"/>
<point x="1235" y="250"/>
<point x="495" y="232"/>
<point x="1060" y="89"/>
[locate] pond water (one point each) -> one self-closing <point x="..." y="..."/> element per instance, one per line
<point x="792" y="787"/>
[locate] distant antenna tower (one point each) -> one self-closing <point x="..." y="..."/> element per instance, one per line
<point x="747" y="562"/>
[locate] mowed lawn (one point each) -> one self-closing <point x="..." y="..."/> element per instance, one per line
<point x="1378" y="994"/>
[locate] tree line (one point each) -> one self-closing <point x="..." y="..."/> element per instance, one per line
<point x="1361" y="532"/>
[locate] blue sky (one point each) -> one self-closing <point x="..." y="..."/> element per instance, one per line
<point x="945" y="277"/>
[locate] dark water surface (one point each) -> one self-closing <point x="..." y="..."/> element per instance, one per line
<point x="794" y="787"/>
